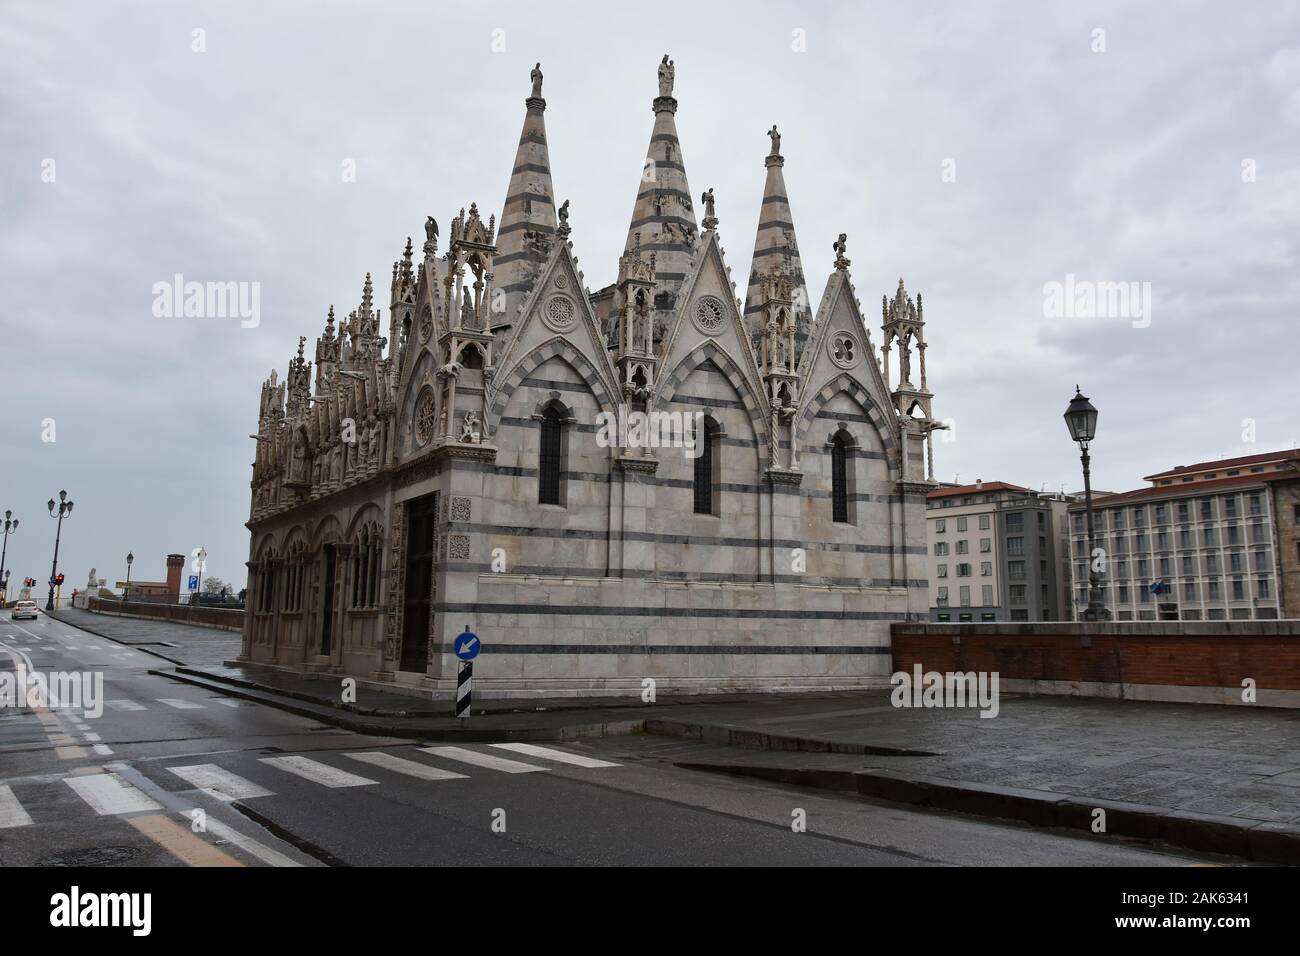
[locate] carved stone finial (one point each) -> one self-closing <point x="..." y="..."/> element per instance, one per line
<point x="710" y="216"/>
<point x="840" y="247"/>
<point x="563" y="229"/>
<point x="430" y="236"/>
<point x="667" y="74"/>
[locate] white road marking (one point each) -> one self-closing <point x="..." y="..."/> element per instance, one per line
<point x="228" y="702"/>
<point x="317" y="772"/>
<point x="219" y="783"/>
<point x="560" y="756"/>
<point x="483" y="760"/>
<point x="179" y="704"/>
<point x="412" y="768"/>
<point x="125" y="705"/>
<point x="103" y="750"/>
<point x="109" y="794"/>
<point x="12" y="813"/>
<point x="246" y="843"/>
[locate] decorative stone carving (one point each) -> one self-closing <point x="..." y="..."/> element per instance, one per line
<point x="708" y="314"/>
<point x="460" y="509"/>
<point x="560" y="313"/>
<point x="425" y="421"/>
<point x="457" y="547"/>
<point x="843" y="349"/>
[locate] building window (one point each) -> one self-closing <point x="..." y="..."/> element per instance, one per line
<point x="1230" y="506"/>
<point x="986" y="568"/>
<point x="984" y="520"/>
<point x="942" y="599"/>
<point x="1020" y="614"/>
<point x="1183" y="511"/>
<point x="1238" y="589"/>
<point x="1016" y="545"/>
<point x="839" y="478"/>
<point x="986" y="545"/>
<point x="987" y="595"/>
<point x="1017" y="592"/>
<point x="1254" y="503"/>
<point x="940" y="526"/>
<point x="963" y="570"/>
<point x="961" y="524"/>
<point x="940" y="548"/>
<point x="551" y="462"/>
<point x="943" y="570"/>
<point x="965" y="596"/>
<point x="706" y="469"/>
<point x="1016" y="570"/>
<point x="1261" y="589"/>
<point x="963" y="546"/>
<point x="944" y="618"/>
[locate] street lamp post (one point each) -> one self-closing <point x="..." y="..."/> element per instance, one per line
<point x="127" y="590"/>
<point x="203" y="557"/>
<point x="10" y="527"/>
<point x="1081" y="418"/>
<point x="63" y="510"/>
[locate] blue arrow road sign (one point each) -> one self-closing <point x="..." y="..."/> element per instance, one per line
<point x="467" y="646"/>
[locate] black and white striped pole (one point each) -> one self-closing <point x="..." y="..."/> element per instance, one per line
<point x="466" y="646"/>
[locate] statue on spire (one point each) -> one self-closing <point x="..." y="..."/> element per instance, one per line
<point x="776" y="141"/>
<point x="536" y="77"/>
<point x="667" y="73"/>
<point x="840" y="247"/>
<point x="563" y="230"/>
<point x="710" y="218"/>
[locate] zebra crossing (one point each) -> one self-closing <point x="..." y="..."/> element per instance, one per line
<point x="108" y="794"/>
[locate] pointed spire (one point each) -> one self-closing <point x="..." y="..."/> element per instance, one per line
<point x="775" y="244"/>
<point x="529" y="210"/>
<point x="664" y="214"/>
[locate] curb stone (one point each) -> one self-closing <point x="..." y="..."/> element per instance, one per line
<point x="1233" y="836"/>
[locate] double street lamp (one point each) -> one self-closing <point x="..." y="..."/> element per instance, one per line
<point x="10" y="527"/>
<point x="63" y="510"/>
<point x="1081" y="419"/>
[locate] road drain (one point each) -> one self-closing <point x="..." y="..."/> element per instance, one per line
<point x="93" y="856"/>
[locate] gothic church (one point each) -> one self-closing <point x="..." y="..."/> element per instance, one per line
<point x="451" y="474"/>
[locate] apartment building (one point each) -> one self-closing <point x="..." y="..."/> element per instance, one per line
<point x="1218" y="540"/>
<point x="997" y="552"/>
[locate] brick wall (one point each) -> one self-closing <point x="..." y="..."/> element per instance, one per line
<point x="226" y="619"/>
<point x="1175" y="660"/>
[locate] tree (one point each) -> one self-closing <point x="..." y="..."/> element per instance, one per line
<point x="214" y="585"/>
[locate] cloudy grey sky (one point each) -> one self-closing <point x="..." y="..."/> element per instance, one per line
<point x="1122" y="165"/>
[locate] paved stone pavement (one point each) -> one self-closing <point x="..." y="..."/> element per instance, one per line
<point x="196" y="646"/>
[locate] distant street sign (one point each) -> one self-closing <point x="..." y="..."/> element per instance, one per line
<point x="467" y="646"/>
<point x="194" y="582"/>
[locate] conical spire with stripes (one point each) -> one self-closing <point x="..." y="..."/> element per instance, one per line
<point x="775" y="247"/>
<point x="528" y="222"/>
<point x="664" y="217"/>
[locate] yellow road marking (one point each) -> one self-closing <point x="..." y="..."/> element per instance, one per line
<point x="180" y="842"/>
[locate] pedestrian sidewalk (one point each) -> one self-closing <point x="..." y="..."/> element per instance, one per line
<point x="176" y="643"/>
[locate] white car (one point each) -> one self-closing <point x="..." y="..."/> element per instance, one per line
<point x="23" y="609"/>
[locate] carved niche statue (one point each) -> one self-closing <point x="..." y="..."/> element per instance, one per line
<point x="536" y="76"/>
<point x="667" y="72"/>
<point x="467" y="315"/>
<point x="469" y="430"/>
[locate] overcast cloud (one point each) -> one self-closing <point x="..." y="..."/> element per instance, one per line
<point x="1123" y="165"/>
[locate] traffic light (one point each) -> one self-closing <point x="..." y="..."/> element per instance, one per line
<point x="59" y="580"/>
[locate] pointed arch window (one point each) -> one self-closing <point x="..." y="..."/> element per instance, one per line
<point x="707" y="464"/>
<point x="551" y="458"/>
<point x="841" y="446"/>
